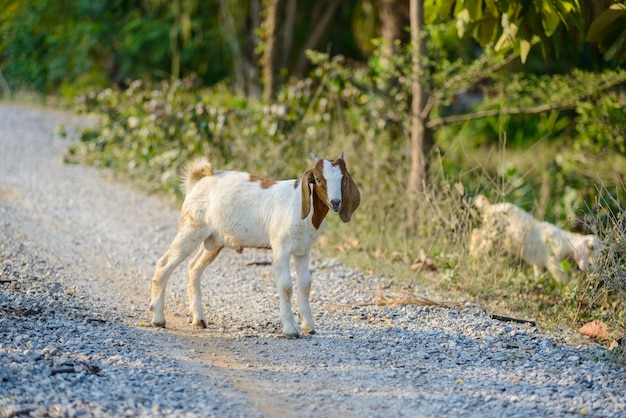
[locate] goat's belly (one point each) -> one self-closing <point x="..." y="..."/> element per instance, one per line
<point x="245" y="238"/>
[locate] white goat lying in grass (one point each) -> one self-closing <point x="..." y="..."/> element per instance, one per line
<point x="540" y="244"/>
<point x="238" y="210"/>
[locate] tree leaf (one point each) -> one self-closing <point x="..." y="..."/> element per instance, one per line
<point x="445" y="8"/>
<point x="569" y="6"/>
<point x="509" y="33"/>
<point x="549" y="18"/>
<point x="490" y="6"/>
<point x="462" y="22"/>
<point x="487" y="30"/>
<point x="604" y="23"/>
<point x="595" y="329"/>
<point x="617" y="46"/>
<point x="432" y="10"/>
<point x="475" y="9"/>
<point x="524" y="50"/>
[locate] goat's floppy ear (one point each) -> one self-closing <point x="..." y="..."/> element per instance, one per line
<point x="307" y="180"/>
<point x="351" y="198"/>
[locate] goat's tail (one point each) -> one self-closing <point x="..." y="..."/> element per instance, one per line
<point x="481" y="203"/>
<point x="194" y="171"/>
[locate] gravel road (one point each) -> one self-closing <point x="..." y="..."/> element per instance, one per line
<point x="77" y="251"/>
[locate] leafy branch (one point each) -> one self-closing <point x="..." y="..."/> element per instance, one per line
<point x="474" y="74"/>
<point x="592" y="85"/>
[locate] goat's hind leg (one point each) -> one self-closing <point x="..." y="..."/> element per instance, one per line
<point x="186" y="240"/>
<point x="203" y="258"/>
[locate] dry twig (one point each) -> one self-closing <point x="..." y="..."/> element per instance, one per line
<point x="402" y="298"/>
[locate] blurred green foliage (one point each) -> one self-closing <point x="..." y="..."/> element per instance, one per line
<point x="506" y="23"/>
<point x="67" y="46"/>
<point x="70" y="45"/>
<point x="609" y="31"/>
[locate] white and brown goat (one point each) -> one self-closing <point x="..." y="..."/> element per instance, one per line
<point x="238" y="210"/>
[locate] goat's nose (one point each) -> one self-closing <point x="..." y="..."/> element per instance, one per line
<point x="335" y="205"/>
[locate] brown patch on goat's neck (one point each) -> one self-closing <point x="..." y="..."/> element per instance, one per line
<point x="296" y="184"/>
<point x="265" y="183"/>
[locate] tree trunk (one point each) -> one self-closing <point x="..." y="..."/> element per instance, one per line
<point x="394" y="17"/>
<point x="232" y="39"/>
<point x="174" y="47"/>
<point x="241" y="39"/>
<point x="421" y="137"/>
<point x="270" y="53"/>
<point x="288" y="34"/>
<point x="316" y="33"/>
<point x="252" y="68"/>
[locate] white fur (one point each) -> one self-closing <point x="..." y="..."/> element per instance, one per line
<point x="236" y="210"/>
<point x="540" y="244"/>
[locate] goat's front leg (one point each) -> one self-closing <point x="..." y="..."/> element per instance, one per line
<point x="304" y="290"/>
<point x="197" y="266"/>
<point x="537" y="270"/>
<point x="554" y="267"/>
<point x="285" y="290"/>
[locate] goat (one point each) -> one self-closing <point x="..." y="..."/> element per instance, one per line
<point x="540" y="244"/>
<point x="238" y="210"/>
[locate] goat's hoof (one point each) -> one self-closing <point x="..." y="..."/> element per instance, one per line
<point x="158" y="324"/>
<point x="200" y="323"/>
<point x="308" y="331"/>
<point x="291" y="334"/>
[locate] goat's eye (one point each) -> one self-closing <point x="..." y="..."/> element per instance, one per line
<point x="590" y="246"/>
<point x="317" y="180"/>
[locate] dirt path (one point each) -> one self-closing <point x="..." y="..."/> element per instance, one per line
<point x="77" y="219"/>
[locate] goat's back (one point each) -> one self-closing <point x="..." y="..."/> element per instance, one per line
<point x="511" y="228"/>
<point x="241" y="210"/>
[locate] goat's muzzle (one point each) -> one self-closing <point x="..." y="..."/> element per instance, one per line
<point x="335" y="205"/>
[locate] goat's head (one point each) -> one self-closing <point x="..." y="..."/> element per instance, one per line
<point x="587" y="251"/>
<point x="330" y="186"/>
<point x="481" y="203"/>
